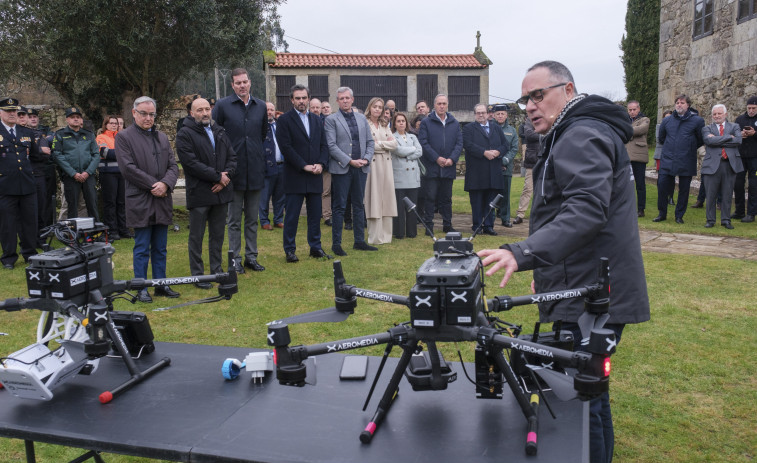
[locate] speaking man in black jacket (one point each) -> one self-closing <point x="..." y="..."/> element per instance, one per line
<point x="208" y="161"/>
<point x="584" y="208"/>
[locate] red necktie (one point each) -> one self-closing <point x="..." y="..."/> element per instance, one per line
<point x="722" y="155"/>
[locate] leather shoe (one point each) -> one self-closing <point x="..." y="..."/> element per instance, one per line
<point x="697" y="205"/>
<point x="8" y="266"/>
<point x="292" y="257"/>
<point x="126" y="234"/>
<point x="640" y="214"/>
<point x="727" y="224"/>
<point x="659" y="218"/>
<point x="490" y="231"/>
<point x="114" y="237"/>
<point x="166" y="291"/>
<point x="364" y="247"/>
<point x="204" y="285"/>
<point x="517" y="220"/>
<point x="318" y="253"/>
<point x="348" y="225"/>
<point x="505" y="224"/>
<point x="253" y="264"/>
<point x="679" y="220"/>
<point x="709" y="225"/>
<point x="338" y="250"/>
<point x="238" y="268"/>
<point x="267" y="226"/>
<point x="280" y="225"/>
<point x="327" y="222"/>
<point x="737" y="216"/>
<point x="144" y="296"/>
<point x="747" y="219"/>
<point x="449" y="230"/>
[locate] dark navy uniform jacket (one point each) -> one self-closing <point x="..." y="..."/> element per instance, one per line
<point x="16" y="173"/>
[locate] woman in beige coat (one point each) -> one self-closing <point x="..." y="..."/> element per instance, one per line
<point x="380" y="204"/>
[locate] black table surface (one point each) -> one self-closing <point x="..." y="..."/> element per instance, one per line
<point x="188" y="412"/>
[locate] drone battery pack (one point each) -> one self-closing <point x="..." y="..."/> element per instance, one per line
<point x="135" y="331"/>
<point x="354" y="367"/>
<point x="424" y="307"/>
<point x="462" y="303"/>
<point x="66" y="274"/>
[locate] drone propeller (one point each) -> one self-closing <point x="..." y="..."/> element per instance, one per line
<point x="560" y="383"/>
<point x="330" y="314"/>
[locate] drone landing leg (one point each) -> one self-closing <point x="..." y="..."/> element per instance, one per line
<point x="529" y="408"/>
<point x="137" y="376"/>
<point x="392" y="389"/>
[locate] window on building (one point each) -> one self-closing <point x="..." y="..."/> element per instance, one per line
<point x="703" y="18"/>
<point x="319" y="87"/>
<point x="428" y="88"/>
<point x="747" y="10"/>
<point x="464" y="92"/>
<point x="385" y="87"/>
<point x="283" y="85"/>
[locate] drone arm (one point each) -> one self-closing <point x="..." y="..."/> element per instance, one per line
<point x="379" y="296"/>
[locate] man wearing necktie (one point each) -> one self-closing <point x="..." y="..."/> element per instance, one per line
<point x="18" y="195"/>
<point x="484" y="144"/>
<point x="208" y="161"/>
<point x="720" y="165"/>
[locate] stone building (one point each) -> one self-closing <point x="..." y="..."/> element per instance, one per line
<point x="708" y="50"/>
<point x="405" y="79"/>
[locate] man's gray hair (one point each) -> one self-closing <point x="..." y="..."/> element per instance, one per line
<point x="343" y="90"/>
<point x="441" y="94"/>
<point x="720" y="105"/>
<point x="144" y="99"/>
<point x="559" y="72"/>
<point x="480" y="104"/>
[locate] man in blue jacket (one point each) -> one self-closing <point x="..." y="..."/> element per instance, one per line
<point x="246" y="123"/>
<point x="680" y="136"/>
<point x="442" y="143"/>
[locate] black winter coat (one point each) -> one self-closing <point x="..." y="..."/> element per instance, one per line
<point x="481" y="173"/>
<point x="203" y="164"/>
<point x="584" y="208"/>
<point x="246" y="127"/>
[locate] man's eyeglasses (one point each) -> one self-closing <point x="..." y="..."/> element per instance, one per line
<point x="535" y="95"/>
<point x="153" y="115"/>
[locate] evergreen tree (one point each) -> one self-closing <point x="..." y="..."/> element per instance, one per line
<point x="100" y="56"/>
<point x="640" y="60"/>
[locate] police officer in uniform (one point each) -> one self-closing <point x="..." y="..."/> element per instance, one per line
<point x="43" y="168"/>
<point x="76" y="153"/>
<point x="18" y="196"/>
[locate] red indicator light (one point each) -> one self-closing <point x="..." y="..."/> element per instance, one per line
<point x="607" y="366"/>
<point x="275" y="358"/>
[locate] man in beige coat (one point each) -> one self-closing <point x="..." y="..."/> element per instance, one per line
<point x="638" y="153"/>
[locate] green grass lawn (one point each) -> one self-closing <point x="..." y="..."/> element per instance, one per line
<point x="683" y="385"/>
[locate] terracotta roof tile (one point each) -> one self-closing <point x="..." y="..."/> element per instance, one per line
<point x="325" y="60"/>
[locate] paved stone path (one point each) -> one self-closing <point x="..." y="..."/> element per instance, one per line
<point x="653" y="241"/>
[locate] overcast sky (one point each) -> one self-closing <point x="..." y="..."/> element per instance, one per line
<point x="582" y="34"/>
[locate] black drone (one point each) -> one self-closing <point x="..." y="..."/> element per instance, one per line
<point x="447" y="304"/>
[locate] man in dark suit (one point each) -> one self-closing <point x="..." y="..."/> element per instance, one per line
<point x="273" y="192"/>
<point x="484" y="144"/>
<point x="208" y="162"/>
<point x="720" y="165"/>
<point x="18" y="194"/>
<point x="302" y="141"/>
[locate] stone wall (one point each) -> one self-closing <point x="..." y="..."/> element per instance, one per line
<point x="718" y="68"/>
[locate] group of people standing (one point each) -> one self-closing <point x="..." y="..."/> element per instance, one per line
<point x="729" y="164"/>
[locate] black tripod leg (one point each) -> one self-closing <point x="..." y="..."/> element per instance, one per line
<point x="529" y="411"/>
<point x="137" y="376"/>
<point x="392" y="389"/>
